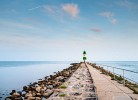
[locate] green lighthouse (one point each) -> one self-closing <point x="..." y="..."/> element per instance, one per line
<point x="84" y="56"/>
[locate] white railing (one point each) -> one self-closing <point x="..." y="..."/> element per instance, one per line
<point x="122" y="73"/>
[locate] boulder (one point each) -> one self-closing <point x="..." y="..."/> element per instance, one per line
<point x="48" y="93"/>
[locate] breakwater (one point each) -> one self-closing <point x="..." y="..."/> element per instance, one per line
<point x="120" y="79"/>
<point x="44" y="87"/>
<point x="80" y="86"/>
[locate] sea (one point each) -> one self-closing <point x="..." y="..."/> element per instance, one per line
<point x="16" y="74"/>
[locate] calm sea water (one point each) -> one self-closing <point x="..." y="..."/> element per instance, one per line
<point x="16" y="74"/>
<point x="128" y="65"/>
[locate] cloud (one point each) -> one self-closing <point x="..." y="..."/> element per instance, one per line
<point x="50" y="9"/>
<point x="34" y="8"/>
<point x="25" y="40"/>
<point x="71" y="9"/>
<point x="12" y="24"/>
<point x="96" y="29"/>
<point x="109" y="16"/>
<point x="54" y="12"/>
<point x="114" y="21"/>
<point x="127" y="4"/>
<point x="60" y="12"/>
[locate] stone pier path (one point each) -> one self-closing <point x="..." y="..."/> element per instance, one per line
<point x="108" y="89"/>
<point x="79" y="87"/>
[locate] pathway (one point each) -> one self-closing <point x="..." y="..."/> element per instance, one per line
<point x="108" y="89"/>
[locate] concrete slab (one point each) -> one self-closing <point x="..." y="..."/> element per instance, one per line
<point x="108" y="89"/>
<point x="120" y="98"/>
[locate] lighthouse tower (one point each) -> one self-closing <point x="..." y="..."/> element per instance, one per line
<point x="84" y="56"/>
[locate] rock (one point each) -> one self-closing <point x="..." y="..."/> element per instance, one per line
<point x="23" y="93"/>
<point x="43" y="89"/>
<point x="19" y="92"/>
<point x="89" y="94"/>
<point x="75" y="93"/>
<point x="25" y="88"/>
<point x="40" y="82"/>
<point x="14" y="96"/>
<point x="48" y="93"/>
<point x="59" y="78"/>
<point x="89" y="98"/>
<point x="29" y="94"/>
<point x="50" y="86"/>
<point x="58" y="90"/>
<point x="38" y="88"/>
<point x="38" y="94"/>
<point x="8" y="98"/>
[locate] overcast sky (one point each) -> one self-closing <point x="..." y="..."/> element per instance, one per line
<point x="59" y="30"/>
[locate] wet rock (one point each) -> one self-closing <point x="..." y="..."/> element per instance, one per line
<point x="25" y="88"/>
<point x="40" y="82"/>
<point x="34" y="83"/>
<point x="23" y="93"/>
<point x="14" y="96"/>
<point x="19" y="92"/>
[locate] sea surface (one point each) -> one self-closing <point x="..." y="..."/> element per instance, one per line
<point x="16" y="74"/>
<point x="130" y="72"/>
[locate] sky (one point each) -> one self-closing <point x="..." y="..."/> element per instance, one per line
<point x="59" y="30"/>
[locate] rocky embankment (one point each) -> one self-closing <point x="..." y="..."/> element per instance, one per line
<point x="80" y="86"/>
<point x="44" y="88"/>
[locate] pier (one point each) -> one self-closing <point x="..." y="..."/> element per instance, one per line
<point x="81" y="81"/>
<point x="108" y="89"/>
<point x="80" y="86"/>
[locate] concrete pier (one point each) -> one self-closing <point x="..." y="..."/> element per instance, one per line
<point x="77" y="87"/>
<point x="108" y="89"/>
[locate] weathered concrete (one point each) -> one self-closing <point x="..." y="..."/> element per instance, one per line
<point x="108" y="89"/>
<point x="79" y="87"/>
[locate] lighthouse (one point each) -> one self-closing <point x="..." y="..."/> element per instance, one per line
<point x="84" y="56"/>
